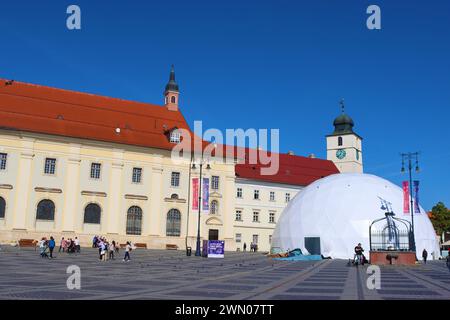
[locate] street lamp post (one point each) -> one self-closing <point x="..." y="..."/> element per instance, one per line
<point x="197" y="247"/>
<point x="409" y="157"/>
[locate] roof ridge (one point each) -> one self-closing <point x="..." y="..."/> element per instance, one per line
<point x="33" y="85"/>
<point x="91" y="107"/>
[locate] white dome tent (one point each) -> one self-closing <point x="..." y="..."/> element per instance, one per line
<point x="335" y="213"/>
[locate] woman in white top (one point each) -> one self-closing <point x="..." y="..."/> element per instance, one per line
<point x="127" y="252"/>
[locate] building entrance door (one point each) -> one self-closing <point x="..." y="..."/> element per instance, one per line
<point x="213" y="234"/>
<point x="312" y="244"/>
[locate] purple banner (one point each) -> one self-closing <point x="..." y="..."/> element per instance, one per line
<point x="416" y="196"/>
<point x="205" y="197"/>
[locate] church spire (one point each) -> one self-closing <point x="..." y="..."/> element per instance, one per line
<point x="171" y="93"/>
<point x="172" y="84"/>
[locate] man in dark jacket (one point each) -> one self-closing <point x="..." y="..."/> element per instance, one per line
<point x="51" y="246"/>
<point x="424" y="255"/>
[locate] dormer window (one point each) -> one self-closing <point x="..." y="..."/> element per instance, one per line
<point x="175" y="136"/>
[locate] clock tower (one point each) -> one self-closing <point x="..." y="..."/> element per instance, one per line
<point x="344" y="146"/>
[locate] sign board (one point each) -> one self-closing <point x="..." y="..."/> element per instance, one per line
<point x="213" y="249"/>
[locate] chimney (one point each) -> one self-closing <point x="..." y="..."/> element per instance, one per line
<point x="312" y="156"/>
<point x="290" y="152"/>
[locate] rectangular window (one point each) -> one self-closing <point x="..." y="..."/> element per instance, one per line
<point x="255" y="216"/>
<point x="175" y="136"/>
<point x="288" y="197"/>
<point x="95" y="170"/>
<point x="238" y="237"/>
<point x="238" y="215"/>
<point x="50" y="166"/>
<point x="255" y="239"/>
<point x="3" y="157"/>
<point x="239" y="193"/>
<point x="215" y="182"/>
<point x="272" y="196"/>
<point x="272" y="217"/>
<point x="137" y="175"/>
<point x="270" y="239"/>
<point x="256" y="195"/>
<point x="175" y="179"/>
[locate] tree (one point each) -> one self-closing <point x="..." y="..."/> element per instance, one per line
<point x="440" y="218"/>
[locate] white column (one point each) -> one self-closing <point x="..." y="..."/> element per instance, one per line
<point x="156" y="199"/>
<point x="71" y="190"/>
<point x="229" y="205"/>
<point x="23" y="184"/>
<point x="113" y="216"/>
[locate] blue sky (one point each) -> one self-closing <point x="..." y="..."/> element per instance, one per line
<point x="259" y="64"/>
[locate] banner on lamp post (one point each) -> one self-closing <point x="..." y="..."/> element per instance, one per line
<point x="195" y="194"/>
<point x="205" y="196"/>
<point x="405" y="185"/>
<point x="416" y="196"/>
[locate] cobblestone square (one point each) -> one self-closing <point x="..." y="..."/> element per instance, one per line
<point x="166" y="274"/>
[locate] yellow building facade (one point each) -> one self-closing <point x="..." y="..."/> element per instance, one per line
<point x="78" y="165"/>
<point x="71" y="188"/>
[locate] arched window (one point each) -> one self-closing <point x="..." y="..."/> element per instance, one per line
<point x="45" y="210"/>
<point x="173" y="99"/>
<point x="92" y="213"/>
<point x="214" y="207"/>
<point x="134" y="221"/>
<point x="173" y="224"/>
<point x="2" y="207"/>
<point x="339" y="141"/>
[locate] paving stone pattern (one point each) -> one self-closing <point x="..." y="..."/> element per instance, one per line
<point x="167" y="274"/>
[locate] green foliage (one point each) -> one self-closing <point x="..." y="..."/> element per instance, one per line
<point x="440" y="218"/>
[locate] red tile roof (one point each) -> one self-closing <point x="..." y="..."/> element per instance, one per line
<point x="293" y="170"/>
<point x="40" y="109"/>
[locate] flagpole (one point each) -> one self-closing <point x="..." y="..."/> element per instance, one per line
<point x="409" y="156"/>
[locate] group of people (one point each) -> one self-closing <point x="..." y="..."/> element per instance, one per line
<point x="69" y="245"/>
<point x="47" y="246"/>
<point x="107" y="250"/>
<point x="253" y="247"/>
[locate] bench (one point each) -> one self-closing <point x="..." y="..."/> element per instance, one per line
<point x="27" y="243"/>
<point x="171" y="247"/>
<point x="137" y="245"/>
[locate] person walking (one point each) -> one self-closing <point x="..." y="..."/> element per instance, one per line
<point x="51" y="246"/>
<point x="61" y="247"/>
<point x="424" y="256"/>
<point x="127" y="252"/>
<point x="112" y="249"/>
<point x="77" y="245"/>
<point x="245" y="246"/>
<point x="42" y="248"/>
<point x="102" y="249"/>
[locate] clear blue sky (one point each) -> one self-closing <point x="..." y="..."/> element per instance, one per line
<point x="259" y="64"/>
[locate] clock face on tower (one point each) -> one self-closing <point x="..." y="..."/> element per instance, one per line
<point x="340" y="154"/>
